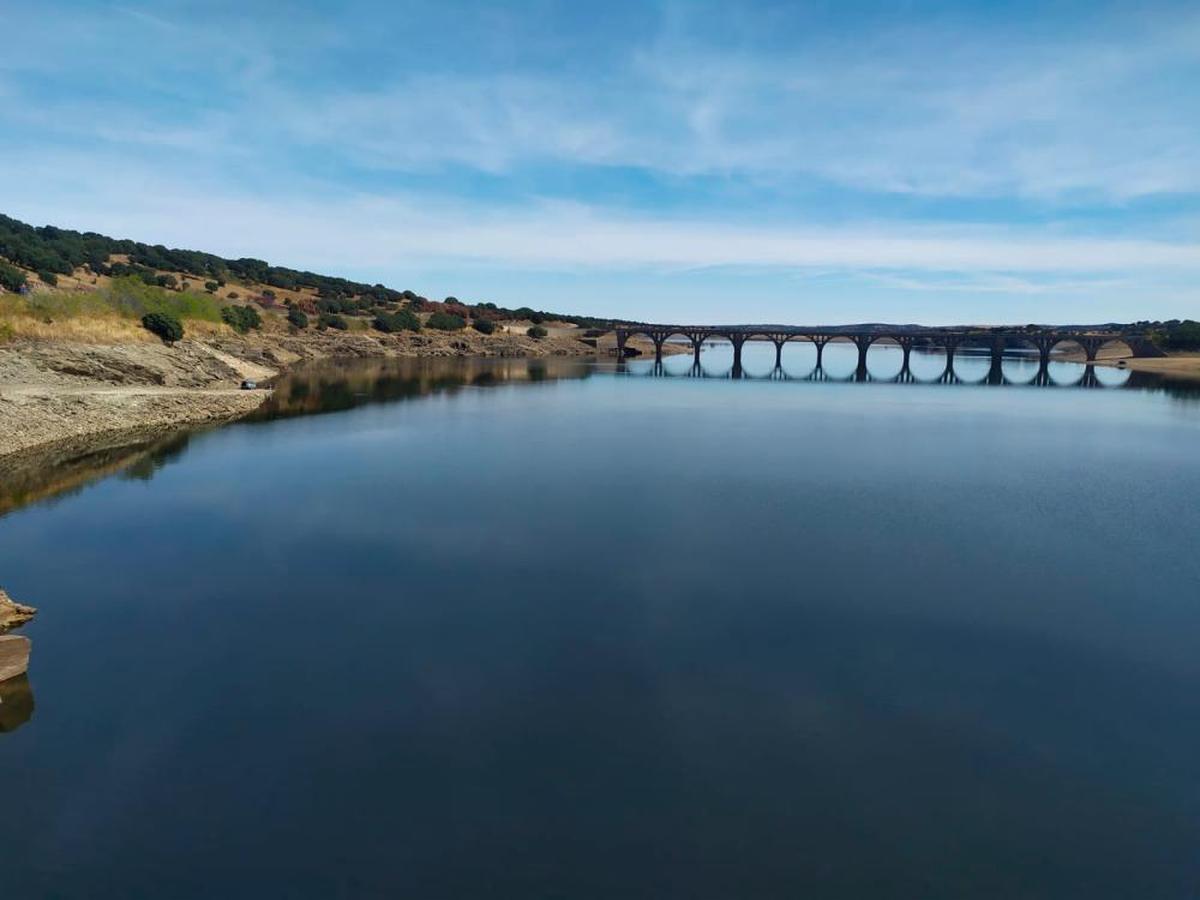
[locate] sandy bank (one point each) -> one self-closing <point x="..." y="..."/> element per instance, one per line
<point x="1177" y="365"/>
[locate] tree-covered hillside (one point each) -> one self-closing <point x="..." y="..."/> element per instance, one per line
<point x="50" y="251"/>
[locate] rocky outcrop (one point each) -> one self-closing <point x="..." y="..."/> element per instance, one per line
<point x="14" y="656"/>
<point x="13" y="613"/>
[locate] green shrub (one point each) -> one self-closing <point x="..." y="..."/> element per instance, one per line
<point x="166" y="281"/>
<point x="537" y="331"/>
<point x="48" y="278"/>
<point x="332" y="320"/>
<point x="166" y="326"/>
<point x="11" y="278"/>
<point x="211" y="286"/>
<point x="403" y="320"/>
<point x="1183" y="335"/>
<point x="483" y="326"/>
<point x="241" y="318"/>
<point x="130" y="296"/>
<point x="446" y="322"/>
<point x="297" y="318"/>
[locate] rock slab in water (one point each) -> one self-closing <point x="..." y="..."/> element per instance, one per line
<point x="13" y="613"/>
<point x="14" y="656"/>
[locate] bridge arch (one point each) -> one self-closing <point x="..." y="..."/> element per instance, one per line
<point x="1091" y="346"/>
<point x="799" y="357"/>
<point x="886" y="357"/>
<point x="1068" y="375"/>
<point x="625" y="335"/>
<point x="930" y="360"/>
<point x="1067" y="344"/>
<point x="761" y="352"/>
<point x="679" y="363"/>
<point x="839" y="357"/>
<point x="1115" y="347"/>
<point x="973" y="359"/>
<point x="1020" y="361"/>
<point x="1112" y="376"/>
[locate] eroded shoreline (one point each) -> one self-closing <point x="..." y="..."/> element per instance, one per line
<point x="59" y="397"/>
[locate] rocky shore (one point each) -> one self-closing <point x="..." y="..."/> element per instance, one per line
<point x="12" y="613"/>
<point x="64" y="394"/>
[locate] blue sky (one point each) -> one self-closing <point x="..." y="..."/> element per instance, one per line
<point x="685" y="161"/>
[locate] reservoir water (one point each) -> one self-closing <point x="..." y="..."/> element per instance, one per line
<point x="549" y="629"/>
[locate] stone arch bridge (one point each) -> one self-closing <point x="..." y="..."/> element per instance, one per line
<point x="997" y="340"/>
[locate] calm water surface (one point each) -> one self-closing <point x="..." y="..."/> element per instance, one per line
<point x="539" y="629"/>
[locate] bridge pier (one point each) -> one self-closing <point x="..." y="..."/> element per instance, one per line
<point x="1042" y="378"/>
<point x="995" y="373"/>
<point x="1143" y="348"/>
<point x="737" y="340"/>
<point x="820" y="342"/>
<point x="1044" y="343"/>
<point x="906" y="345"/>
<point x="863" y="342"/>
<point x="949" y="376"/>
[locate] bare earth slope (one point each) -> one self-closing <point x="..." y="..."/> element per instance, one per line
<point x="54" y="394"/>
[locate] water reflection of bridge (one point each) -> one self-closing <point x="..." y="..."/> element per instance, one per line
<point x="995" y="376"/>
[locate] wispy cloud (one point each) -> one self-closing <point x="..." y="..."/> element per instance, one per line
<point x="370" y="231"/>
<point x="1107" y="115"/>
<point x="941" y="115"/>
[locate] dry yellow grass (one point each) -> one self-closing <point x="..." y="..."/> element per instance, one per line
<point x="84" y="322"/>
<point x="95" y="329"/>
<point x="83" y="329"/>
